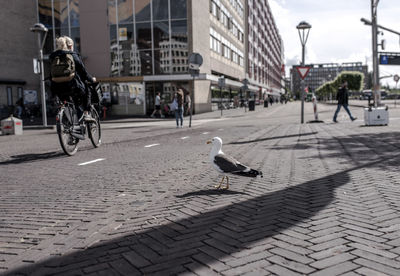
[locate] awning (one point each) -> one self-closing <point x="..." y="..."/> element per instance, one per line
<point x="12" y="81"/>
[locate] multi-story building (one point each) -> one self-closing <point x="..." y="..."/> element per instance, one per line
<point x="18" y="48"/>
<point x="324" y="72"/>
<point x="139" y="47"/>
<point x="264" y="48"/>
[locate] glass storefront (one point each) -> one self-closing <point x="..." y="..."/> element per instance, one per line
<point x="61" y="17"/>
<point x="148" y="37"/>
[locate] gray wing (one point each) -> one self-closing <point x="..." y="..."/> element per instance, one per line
<point x="228" y="164"/>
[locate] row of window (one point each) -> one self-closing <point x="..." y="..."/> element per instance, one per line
<point x="10" y="96"/>
<point x="223" y="47"/>
<point x="223" y="15"/>
<point x="238" y="6"/>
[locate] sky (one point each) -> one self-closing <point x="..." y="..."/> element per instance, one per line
<point x="337" y="34"/>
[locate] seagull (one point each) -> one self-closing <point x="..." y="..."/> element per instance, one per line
<point x="225" y="164"/>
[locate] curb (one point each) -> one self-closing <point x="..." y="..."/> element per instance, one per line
<point x="36" y="127"/>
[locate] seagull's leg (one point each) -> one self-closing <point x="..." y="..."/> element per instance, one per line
<point x="227" y="183"/>
<point x="220" y="183"/>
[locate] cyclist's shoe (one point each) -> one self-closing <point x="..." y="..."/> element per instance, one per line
<point x="89" y="119"/>
<point x="72" y="141"/>
<point x="76" y="129"/>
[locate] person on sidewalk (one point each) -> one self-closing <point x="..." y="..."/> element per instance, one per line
<point x="157" y="106"/>
<point x="188" y="103"/>
<point x="180" y="109"/>
<point x="343" y="100"/>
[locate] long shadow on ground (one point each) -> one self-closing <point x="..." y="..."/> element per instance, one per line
<point x="204" y="239"/>
<point x="32" y="157"/>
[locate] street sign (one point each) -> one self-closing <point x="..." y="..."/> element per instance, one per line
<point x="245" y="85"/>
<point x="36" y="66"/>
<point x="221" y="81"/>
<point x="396" y="78"/>
<point x="389" y="58"/>
<point x="303" y="71"/>
<point x="195" y="61"/>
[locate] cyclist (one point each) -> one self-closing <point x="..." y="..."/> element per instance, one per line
<point x="74" y="85"/>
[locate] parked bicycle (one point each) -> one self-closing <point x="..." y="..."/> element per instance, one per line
<point x="71" y="129"/>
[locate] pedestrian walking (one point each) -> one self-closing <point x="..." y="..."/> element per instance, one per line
<point x="180" y="109"/>
<point x="20" y="107"/>
<point x="157" y="105"/>
<point x="188" y="103"/>
<point x="343" y="100"/>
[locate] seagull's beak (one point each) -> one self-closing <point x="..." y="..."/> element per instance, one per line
<point x="209" y="142"/>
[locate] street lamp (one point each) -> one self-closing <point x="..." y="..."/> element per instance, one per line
<point x="41" y="30"/>
<point x="304" y="29"/>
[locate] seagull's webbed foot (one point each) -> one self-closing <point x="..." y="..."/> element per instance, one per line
<point x="220" y="183"/>
<point x="227" y="183"/>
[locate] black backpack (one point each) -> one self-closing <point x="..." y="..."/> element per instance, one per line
<point x="62" y="68"/>
<point x="97" y="96"/>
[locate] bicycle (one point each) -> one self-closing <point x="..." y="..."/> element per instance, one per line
<point x="70" y="130"/>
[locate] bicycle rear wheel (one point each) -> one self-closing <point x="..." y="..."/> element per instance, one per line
<point x="94" y="128"/>
<point x="69" y="144"/>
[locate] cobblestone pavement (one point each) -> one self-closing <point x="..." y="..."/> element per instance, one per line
<point x="328" y="204"/>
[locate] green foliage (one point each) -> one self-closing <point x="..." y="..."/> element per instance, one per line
<point x="355" y="82"/>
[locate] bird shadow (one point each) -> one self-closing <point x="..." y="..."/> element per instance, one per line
<point x="211" y="192"/>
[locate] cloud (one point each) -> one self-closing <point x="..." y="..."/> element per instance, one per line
<point x="337" y="34"/>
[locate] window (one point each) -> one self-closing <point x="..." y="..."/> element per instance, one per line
<point x="20" y="93"/>
<point x="160" y="10"/>
<point x="178" y="9"/>
<point x="9" y="96"/>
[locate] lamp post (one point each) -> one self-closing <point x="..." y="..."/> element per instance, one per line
<point x="304" y="29"/>
<point x="375" y="65"/>
<point x="41" y="29"/>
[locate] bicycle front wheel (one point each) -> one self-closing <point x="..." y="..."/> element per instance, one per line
<point x="69" y="144"/>
<point x="94" y="128"/>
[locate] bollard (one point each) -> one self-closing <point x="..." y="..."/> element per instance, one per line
<point x="314" y="100"/>
<point x="104" y="112"/>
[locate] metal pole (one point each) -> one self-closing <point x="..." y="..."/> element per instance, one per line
<point x="191" y="104"/>
<point x="302" y="84"/>
<point x="245" y="103"/>
<point x="220" y="101"/>
<point x="42" y="87"/>
<point x="375" y="65"/>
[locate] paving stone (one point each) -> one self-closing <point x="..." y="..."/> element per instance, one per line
<point x="331" y="261"/>
<point x="338" y="269"/>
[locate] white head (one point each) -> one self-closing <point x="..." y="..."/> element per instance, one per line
<point x="60" y="44"/>
<point x="69" y="42"/>
<point x="216" y="144"/>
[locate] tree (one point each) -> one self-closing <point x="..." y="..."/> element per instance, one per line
<point x="355" y="82"/>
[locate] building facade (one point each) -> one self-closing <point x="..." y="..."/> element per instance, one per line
<point x="18" y="48"/>
<point x="324" y="72"/>
<point x="137" y="48"/>
<point x="264" y="49"/>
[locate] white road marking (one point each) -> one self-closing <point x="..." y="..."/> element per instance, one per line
<point x="206" y="133"/>
<point x="183" y="138"/>
<point x="152" y="145"/>
<point x="90" y="162"/>
<point x="221" y="129"/>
